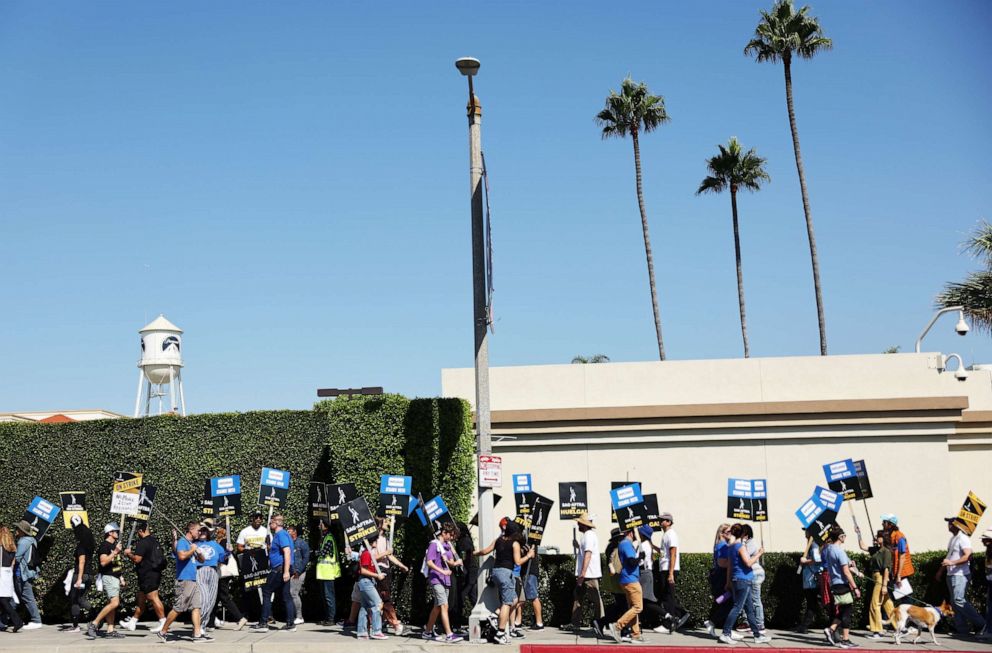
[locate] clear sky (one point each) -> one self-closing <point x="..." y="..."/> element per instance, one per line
<point x="288" y="183"/>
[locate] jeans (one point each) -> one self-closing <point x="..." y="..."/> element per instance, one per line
<point x="26" y="592"/>
<point x="759" y="608"/>
<point x="964" y="612"/>
<point x="274" y="583"/>
<point x="742" y="601"/>
<point x="369" y="605"/>
<point x="295" y="586"/>
<point x="330" y="601"/>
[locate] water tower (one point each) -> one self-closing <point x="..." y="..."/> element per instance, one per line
<point x="161" y="364"/>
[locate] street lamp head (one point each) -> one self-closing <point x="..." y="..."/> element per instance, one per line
<point x="467" y="66"/>
<point x="961" y="327"/>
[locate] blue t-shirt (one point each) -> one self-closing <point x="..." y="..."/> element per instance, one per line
<point x="213" y="553"/>
<point x="740" y="570"/>
<point x="630" y="567"/>
<point x="280" y="540"/>
<point x="719" y="552"/>
<point x="185" y="569"/>
<point x="834" y="558"/>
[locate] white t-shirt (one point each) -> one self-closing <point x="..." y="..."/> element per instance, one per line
<point x="590" y="543"/>
<point x="955" y="550"/>
<point x="668" y="540"/>
<point x="253" y="538"/>
<point x="648" y="552"/>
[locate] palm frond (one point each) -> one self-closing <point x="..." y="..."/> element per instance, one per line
<point x="783" y="31"/>
<point x="975" y="294"/>
<point x="734" y="168"/>
<point x="634" y="108"/>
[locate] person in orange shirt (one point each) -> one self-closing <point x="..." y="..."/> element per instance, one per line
<point x="902" y="560"/>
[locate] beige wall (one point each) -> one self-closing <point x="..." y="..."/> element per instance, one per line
<point x="921" y="458"/>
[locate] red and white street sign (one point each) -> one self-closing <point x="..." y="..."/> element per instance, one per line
<point x="490" y="471"/>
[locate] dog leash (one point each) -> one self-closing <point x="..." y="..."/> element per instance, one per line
<point x="909" y="597"/>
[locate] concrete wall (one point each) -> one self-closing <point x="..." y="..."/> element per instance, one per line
<point x="898" y="412"/>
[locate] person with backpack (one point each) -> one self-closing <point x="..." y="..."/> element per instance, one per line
<point x="80" y="574"/>
<point x="8" y="595"/>
<point x="843" y="589"/>
<point x="149" y="563"/>
<point x="111" y="569"/>
<point x="630" y="582"/>
<point x="301" y="560"/>
<point x="28" y="564"/>
<point x="328" y="571"/>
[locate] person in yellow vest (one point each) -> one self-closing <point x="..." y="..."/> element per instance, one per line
<point x="328" y="571"/>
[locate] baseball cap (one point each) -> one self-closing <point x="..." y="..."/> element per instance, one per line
<point x="891" y="518"/>
<point x="645" y="531"/>
<point x="111" y="527"/>
<point x="987" y="535"/>
<point x="666" y="515"/>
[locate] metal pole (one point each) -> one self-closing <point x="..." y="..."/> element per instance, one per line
<point x="933" y="320"/>
<point x="137" y="400"/>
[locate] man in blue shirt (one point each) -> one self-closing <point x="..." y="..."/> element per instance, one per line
<point x="188" y="597"/>
<point x="280" y="572"/>
<point x="630" y="582"/>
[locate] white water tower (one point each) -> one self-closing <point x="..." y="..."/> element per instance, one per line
<point x="161" y="365"/>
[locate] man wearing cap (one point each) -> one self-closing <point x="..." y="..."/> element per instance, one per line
<point x="630" y="574"/>
<point x="669" y="567"/>
<point x="108" y="557"/>
<point x="588" y="571"/>
<point x="253" y="536"/>
<point x="902" y="561"/>
<point x="27" y="552"/>
<point x="957" y="567"/>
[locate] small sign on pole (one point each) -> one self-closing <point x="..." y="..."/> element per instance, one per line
<point x="40" y="515"/>
<point x="226" y="493"/>
<point x="74" y="503"/>
<point x="490" y="471"/>
<point x="572" y="499"/>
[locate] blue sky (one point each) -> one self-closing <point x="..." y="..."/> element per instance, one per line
<point x="288" y="183"/>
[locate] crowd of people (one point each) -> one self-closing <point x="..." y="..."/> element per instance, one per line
<point x="641" y="573"/>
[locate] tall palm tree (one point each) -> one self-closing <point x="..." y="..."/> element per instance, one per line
<point x="734" y="168"/>
<point x="631" y="111"/>
<point x="782" y="33"/>
<point x="975" y="292"/>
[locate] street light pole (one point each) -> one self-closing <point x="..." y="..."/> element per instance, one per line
<point x="961" y="328"/>
<point x="480" y="321"/>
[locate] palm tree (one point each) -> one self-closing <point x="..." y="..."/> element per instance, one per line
<point x="632" y="111"/>
<point x="734" y="168"/>
<point x="782" y="33"/>
<point x="975" y="292"/>
<point x="595" y="358"/>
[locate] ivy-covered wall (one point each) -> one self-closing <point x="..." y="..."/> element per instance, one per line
<point x="343" y="440"/>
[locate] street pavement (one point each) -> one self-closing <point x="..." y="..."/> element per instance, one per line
<point x="310" y="638"/>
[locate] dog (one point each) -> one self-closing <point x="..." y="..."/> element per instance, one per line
<point x="923" y="617"/>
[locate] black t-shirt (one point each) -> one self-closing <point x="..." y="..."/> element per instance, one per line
<point x="504" y="553"/>
<point x="115" y="568"/>
<point x="85" y="552"/>
<point x="144" y="548"/>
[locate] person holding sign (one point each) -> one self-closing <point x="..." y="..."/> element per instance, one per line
<point x="188" y="597"/>
<point x="368" y="610"/>
<point x="8" y="595"/>
<point x="740" y="577"/>
<point x="630" y="575"/>
<point x="508" y="548"/>
<point x="27" y="560"/>
<point x="328" y="570"/>
<point x="957" y="567"/>
<point x="842" y="587"/>
<point x="385" y="561"/>
<point x="253" y="536"/>
<point x="588" y="571"/>
<point x="280" y="566"/>
<point x="441" y="561"/>
<point x="149" y="563"/>
<point x="81" y="570"/>
<point x="111" y="569"/>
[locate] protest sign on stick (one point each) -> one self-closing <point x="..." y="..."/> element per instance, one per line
<point x="572" y="499"/>
<point x="74" y="503"/>
<point x="40" y="515"/>
<point x="970" y="514"/>
<point x="628" y="505"/>
<point x="339" y="494"/>
<point x="273" y="489"/>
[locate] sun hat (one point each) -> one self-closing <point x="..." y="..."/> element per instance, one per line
<point x="645" y="532"/>
<point x="24" y="527"/>
<point x="585" y="519"/>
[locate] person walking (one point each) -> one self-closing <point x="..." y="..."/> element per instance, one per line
<point x="588" y="572"/>
<point x="902" y="559"/>
<point x="759" y="576"/>
<point x="280" y="566"/>
<point x="108" y="557"/>
<point x="27" y="564"/>
<point x="301" y="560"/>
<point x="630" y="573"/>
<point x="740" y="577"/>
<point x="465" y="584"/>
<point x="82" y="570"/>
<point x="987" y="541"/>
<point x="652" y="614"/>
<point x="149" y="563"/>
<point x="8" y="592"/>
<point x="253" y="536"/>
<point x="387" y="563"/>
<point x="880" y="569"/>
<point x="611" y="585"/>
<point x="369" y="602"/>
<point x="509" y="551"/>
<point x="232" y="614"/>
<point x="669" y="568"/>
<point x="531" y="575"/>
<point x="188" y="596"/>
<point x="210" y="555"/>
<point x="811" y="567"/>
<point x="718" y="580"/>
<point x="843" y="589"/>
<point x="328" y="570"/>
<point x="441" y="562"/>
<point x="957" y="567"/>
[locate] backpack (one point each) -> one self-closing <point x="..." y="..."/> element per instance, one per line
<point x="156" y="559"/>
<point x="33" y="560"/>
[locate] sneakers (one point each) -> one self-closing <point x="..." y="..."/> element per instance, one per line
<point x="115" y="634"/>
<point x="32" y="625"/>
<point x="203" y="638"/>
<point x="398" y="629"/>
<point x="726" y="639"/>
<point x="737" y="637"/>
<point x="298" y="621"/>
<point x="241" y="623"/>
<point x="73" y="629"/>
<point x="762" y="639"/>
<point x="681" y="622"/>
<point x="516" y="632"/>
<point x="537" y="627"/>
<point x="165" y="638"/>
<point x="158" y="628"/>
<point x="613" y="631"/>
<point x="379" y="636"/>
<point x="626" y="639"/>
<point x="362" y="638"/>
<point x="288" y="628"/>
<point x="91" y="631"/>
<point x="596" y="628"/>
<point x="260" y="628"/>
<point x="875" y="636"/>
<point x="426" y="634"/>
<point x="829" y="634"/>
<point x="662" y="630"/>
<point x="846" y="643"/>
<point x="453" y="638"/>
<point x="710" y="628"/>
<point x="501" y="638"/>
<point x="219" y="623"/>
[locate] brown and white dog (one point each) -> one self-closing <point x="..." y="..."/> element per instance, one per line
<point x="924" y="618"/>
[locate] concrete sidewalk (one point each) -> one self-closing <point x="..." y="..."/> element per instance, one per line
<point x="311" y="638"/>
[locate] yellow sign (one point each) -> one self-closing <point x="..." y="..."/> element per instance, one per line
<point x="970" y="514"/>
<point x="131" y="485"/>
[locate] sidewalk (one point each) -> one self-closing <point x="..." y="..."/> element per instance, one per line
<point x="310" y="638"/>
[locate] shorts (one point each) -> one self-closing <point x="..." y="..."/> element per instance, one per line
<point x="530" y="588"/>
<point x="503" y="579"/>
<point x="111" y="586"/>
<point x="440" y="594"/>
<point x="149" y="582"/>
<point x="187" y="597"/>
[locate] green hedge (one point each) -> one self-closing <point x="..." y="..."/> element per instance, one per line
<point x="344" y="440"/>
<point x="781" y="592"/>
